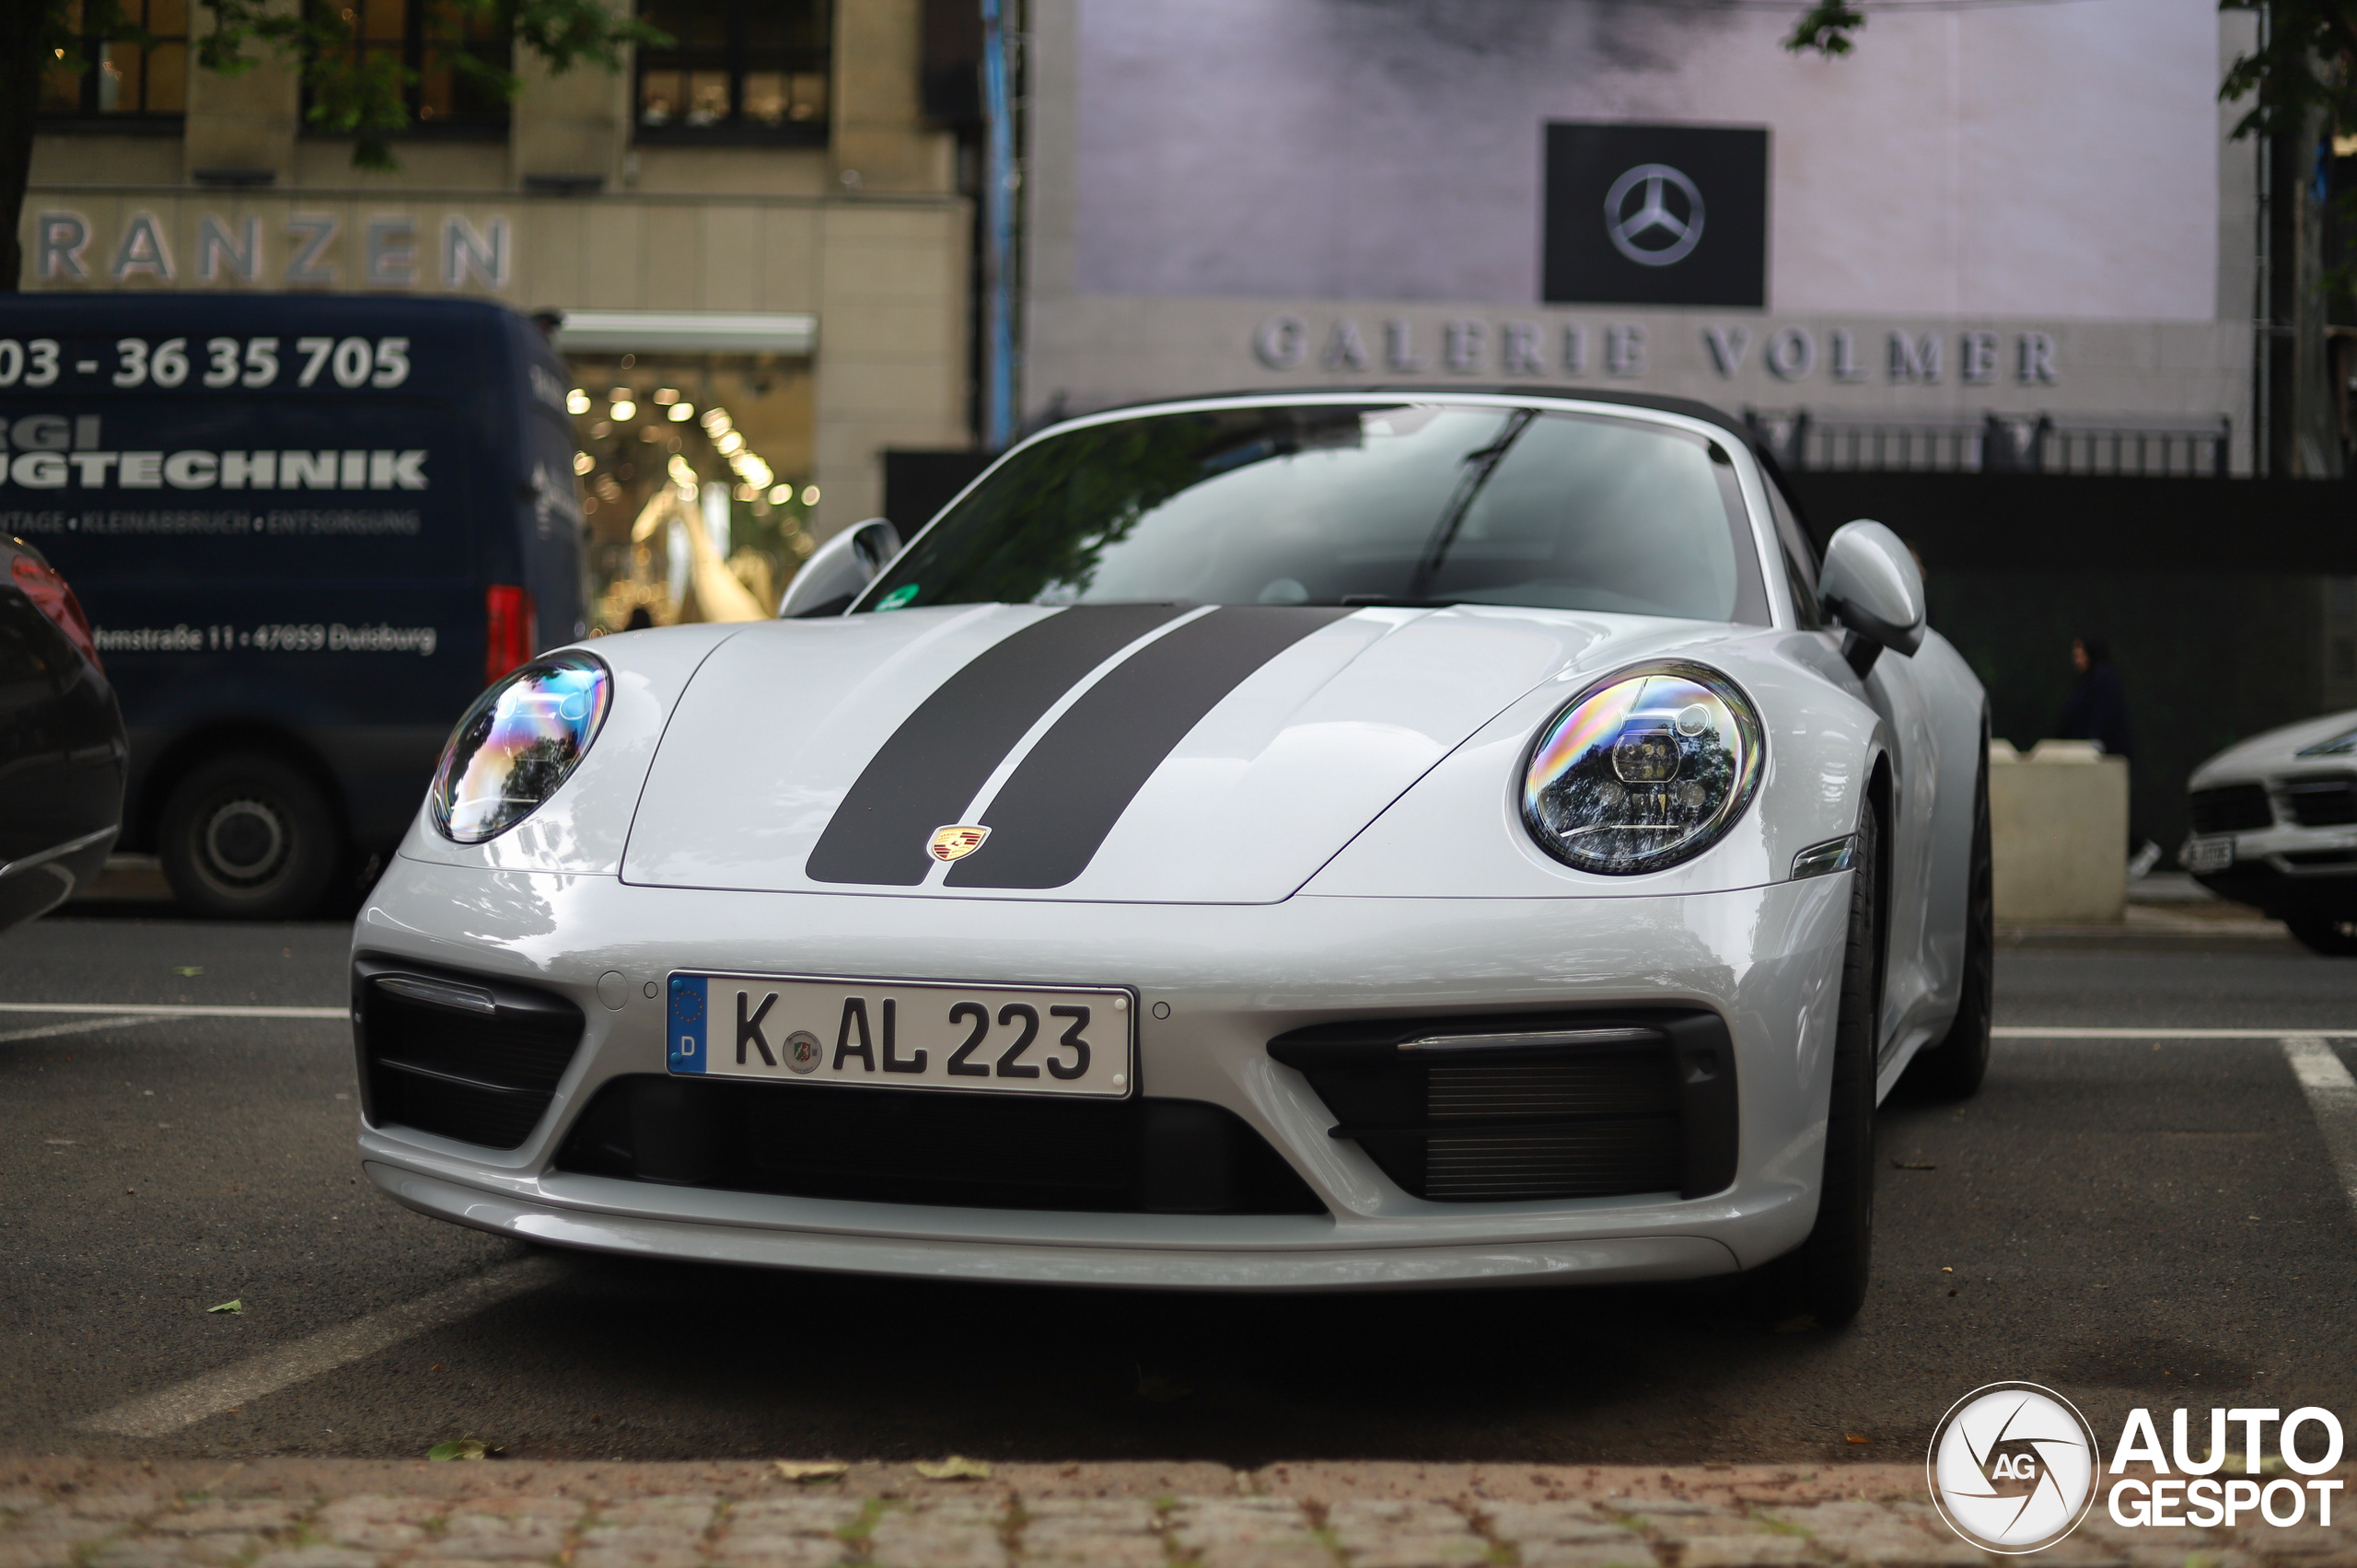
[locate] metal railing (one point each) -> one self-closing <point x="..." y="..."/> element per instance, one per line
<point x="1998" y="442"/>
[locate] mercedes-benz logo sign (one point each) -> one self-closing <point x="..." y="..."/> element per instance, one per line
<point x="1654" y="214"/>
<point x="2014" y="1467"/>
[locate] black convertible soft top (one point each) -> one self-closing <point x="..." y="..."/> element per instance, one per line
<point x="1690" y="407"/>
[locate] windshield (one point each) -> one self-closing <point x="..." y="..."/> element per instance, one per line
<point x="1415" y="504"/>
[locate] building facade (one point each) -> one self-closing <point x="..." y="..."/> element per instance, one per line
<point x="756" y="236"/>
<point x="2030" y="213"/>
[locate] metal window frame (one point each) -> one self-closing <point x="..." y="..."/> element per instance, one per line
<point x="87" y="116"/>
<point x="1806" y="442"/>
<point x="741" y="61"/>
<point x="413" y="47"/>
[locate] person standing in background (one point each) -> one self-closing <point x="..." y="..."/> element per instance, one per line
<point x="2097" y="709"/>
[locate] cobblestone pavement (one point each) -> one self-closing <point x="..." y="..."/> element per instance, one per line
<point x="286" y="1514"/>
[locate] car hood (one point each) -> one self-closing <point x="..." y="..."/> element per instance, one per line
<point x="2276" y="752"/>
<point x="1117" y="752"/>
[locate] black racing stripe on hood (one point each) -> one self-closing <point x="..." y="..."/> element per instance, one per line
<point x="927" y="773"/>
<point x="1052" y="813"/>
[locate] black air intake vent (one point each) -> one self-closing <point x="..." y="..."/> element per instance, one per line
<point x="1622" y="1105"/>
<point x="2230" y="809"/>
<point x="467" y="1058"/>
<point x="927" y="1146"/>
<point x="2329" y="802"/>
<point x="1490" y="1108"/>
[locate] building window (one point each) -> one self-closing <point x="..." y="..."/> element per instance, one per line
<point x="122" y="83"/>
<point x="737" y="70"/>
<point x="427" y="39"/>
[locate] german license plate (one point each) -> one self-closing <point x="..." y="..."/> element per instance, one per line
<point x="905" y="1035"/>
<point x="2210" y="854"/>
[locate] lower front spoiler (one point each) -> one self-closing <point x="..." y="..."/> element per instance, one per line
<point x="1607" y="1261"/>
<point x="2314" y="895"/>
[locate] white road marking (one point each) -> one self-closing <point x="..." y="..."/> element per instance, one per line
<point x="2332" y="1098"/>
<point x="184" y="1404"/>
<point x="2019" y="1032"/>
<point x="87" y="1026"/>
<point x="163" y="1010"/>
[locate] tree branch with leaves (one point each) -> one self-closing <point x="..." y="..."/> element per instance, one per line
<point x="364" y="94"/>
<point x="2305" y="60"/>
<point x="1825" y="28"/>
<point x="2299" y="80"/>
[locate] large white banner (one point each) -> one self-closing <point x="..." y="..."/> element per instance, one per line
<point x="2056" y="160"/>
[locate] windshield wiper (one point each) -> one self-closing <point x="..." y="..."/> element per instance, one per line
<point x="1480" y="466"/>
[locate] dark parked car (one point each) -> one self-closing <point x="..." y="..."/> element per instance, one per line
<point x="308" y="529"/>
<point x="61" y="740"/>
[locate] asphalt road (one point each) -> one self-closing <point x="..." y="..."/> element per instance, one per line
<point x="2133" y="1222"/>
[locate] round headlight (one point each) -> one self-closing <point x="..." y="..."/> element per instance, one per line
<point x="1645" y="769"/>
<point x="520" y="740"/>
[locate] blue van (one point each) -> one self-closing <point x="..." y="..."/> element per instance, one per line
<point x="308" y="530"/>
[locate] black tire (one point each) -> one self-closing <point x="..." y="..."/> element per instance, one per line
<point x="1953" y="1068"/>
<point x="1822" y="1283"/>
<point x="250" y="838"/>
<point x="2332" y="938"/>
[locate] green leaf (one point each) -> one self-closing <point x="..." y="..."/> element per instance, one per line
<point x="365" y="95"/>
<point x="103" y="20"/>
<point x="458" y="1449"/>
<point x="1826" y="28"/>
<point x="228" y="1306"/>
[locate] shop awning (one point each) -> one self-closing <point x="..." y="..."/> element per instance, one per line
<point x="687" y="332"/>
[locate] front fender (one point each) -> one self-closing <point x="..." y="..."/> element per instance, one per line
<point x="1458" y="832"/>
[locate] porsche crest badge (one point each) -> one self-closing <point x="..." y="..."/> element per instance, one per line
<point x="956" y="842"/>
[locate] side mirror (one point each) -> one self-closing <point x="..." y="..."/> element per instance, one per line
<point x="1872" y="586"/>
<point x="838" y="569"/>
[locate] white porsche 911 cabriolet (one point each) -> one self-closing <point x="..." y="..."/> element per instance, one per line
<point x="1335" y="841"/>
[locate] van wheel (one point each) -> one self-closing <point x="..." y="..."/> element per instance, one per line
<point x="249" y="837"/>
<point x="1822" y="1283"/>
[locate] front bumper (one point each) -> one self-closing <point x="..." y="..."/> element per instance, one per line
<point x="1767" y="959"/>
<point x="2288" y="872"/>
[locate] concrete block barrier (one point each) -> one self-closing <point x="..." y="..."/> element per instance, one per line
<point x="2057" y="823"/>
